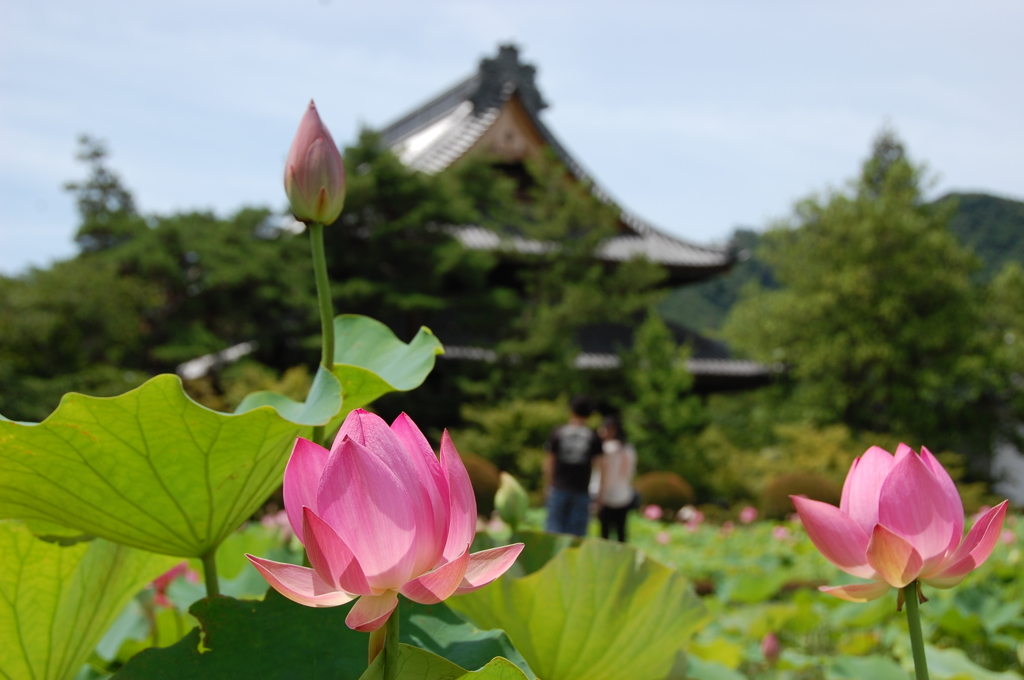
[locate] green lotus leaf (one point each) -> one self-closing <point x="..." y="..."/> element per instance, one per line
<point x="539" y="547"/>
<point x="419" y="664"/>
<point x="150" y="468"/>
<point x="277" y="639"/>
<point x="602" y="611"/>
<point x="953" y="664"/>
<point x="322" y="403"/>
<point x="370" y="361"/>
<point x="56" y="603"/>
<point x="864" y="668"/>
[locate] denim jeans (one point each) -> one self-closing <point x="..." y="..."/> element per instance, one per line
<point x="568" y="512"/>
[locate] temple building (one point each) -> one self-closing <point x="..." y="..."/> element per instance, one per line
<point x="497" y="111"/>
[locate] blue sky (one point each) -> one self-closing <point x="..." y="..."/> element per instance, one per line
<point x="699" y="116"/>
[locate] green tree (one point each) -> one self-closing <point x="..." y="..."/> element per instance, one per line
<point x="876" y="316"/>
<point x="106" y="207"/>
<point x="661" y="415"/>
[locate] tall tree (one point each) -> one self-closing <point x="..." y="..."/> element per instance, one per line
<point x="876" y="315"/>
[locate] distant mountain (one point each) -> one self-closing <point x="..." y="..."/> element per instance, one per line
<point x="704" y="306"/>
<point x="992" y="226"/>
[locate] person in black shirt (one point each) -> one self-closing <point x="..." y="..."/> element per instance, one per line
<point x="571" y="451"/>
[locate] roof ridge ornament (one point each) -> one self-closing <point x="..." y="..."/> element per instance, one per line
<point x="500" y="76"/>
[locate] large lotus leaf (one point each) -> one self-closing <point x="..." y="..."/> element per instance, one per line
<point x="56" y="603"/>
<point x="864" y="668"/>
<point x="602" y="611"/>
<point x="150" y="468"/>
<point x="539" y="547"/>
<point x="370" y="361"/>
<point x="953" y="664"/>
<point x="278" y="639"/>
<point x="322" y="403"/>
<point x="419" y="664"/>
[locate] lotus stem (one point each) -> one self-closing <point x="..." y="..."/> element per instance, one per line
<point x="391" y="646"/>
<point x="910" y="596"/>
<point x="210" y="572"/>
<point x="376" y="644"/>
<point x="323" y="294"/>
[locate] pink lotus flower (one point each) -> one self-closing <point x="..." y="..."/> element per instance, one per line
<point x="900" y="519"/>
<point x="781" y="533"/>
<point x="380" y="515"/>
<point x="748" y="514"/>
<point x="314" y="175"/>
<point x="653" y="512"/>
<point x="662" y="538"/>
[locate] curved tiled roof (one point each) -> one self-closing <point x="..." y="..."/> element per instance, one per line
<point x="438" y="133"/>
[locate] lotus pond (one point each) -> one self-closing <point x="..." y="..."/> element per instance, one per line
<point x="733" y="589"/>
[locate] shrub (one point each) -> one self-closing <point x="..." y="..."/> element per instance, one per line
<point x="776" y="502"/>
<point x="486" y="478"/>
<point x="665" y="489"/>
<point x="511" y="435"/>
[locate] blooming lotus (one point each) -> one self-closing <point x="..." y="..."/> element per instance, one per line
<point x="900" y="519"/>
<point x="314" y="175"/>
<point x="380" y="515"/>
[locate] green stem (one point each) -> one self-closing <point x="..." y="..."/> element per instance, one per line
<point x="910" y="596"/>
<point x="323" y="295"/>
<point x="391" y="646"/>
<point x="210" y="573"/>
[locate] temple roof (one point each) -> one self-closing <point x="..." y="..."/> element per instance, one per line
<point x="497" y="110"/>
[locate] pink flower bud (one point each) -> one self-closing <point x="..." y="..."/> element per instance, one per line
<point x="314" y="175"/>
<point x="771" y="647"/>
<point x="662" y="538"/>
<point x="748" y="514"/>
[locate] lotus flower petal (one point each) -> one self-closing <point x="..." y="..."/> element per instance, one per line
<point x="301" y="479"/>
<point x="974" y="550"/>
<point x="437" y="585"/>
<point x="462" y="503"/>
<point x="371" y="611"/>
<point x="487" y="565"/>
<point x="893" y="557"/>
<point x="366" y="504"/>
<point x="428" y="472"/>
<point x="331" y="558"/>
<point x="858" y="592"/>
<point x="414" y="475"/>
<point x="839" y="538"/>
<point x="300" y="584"/>
<point x="902" y="451"/>
<point x="914" y="505"/>
<point x="952" y="497"/>
<point x="863" y="485"/>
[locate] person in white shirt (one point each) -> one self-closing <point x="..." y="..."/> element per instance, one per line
<point x="614" y="479"/>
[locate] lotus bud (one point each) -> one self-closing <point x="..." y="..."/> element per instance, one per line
<point x="314" y="175"/>
<point x="511" y="501"/>
<point x="771" y="648"/>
